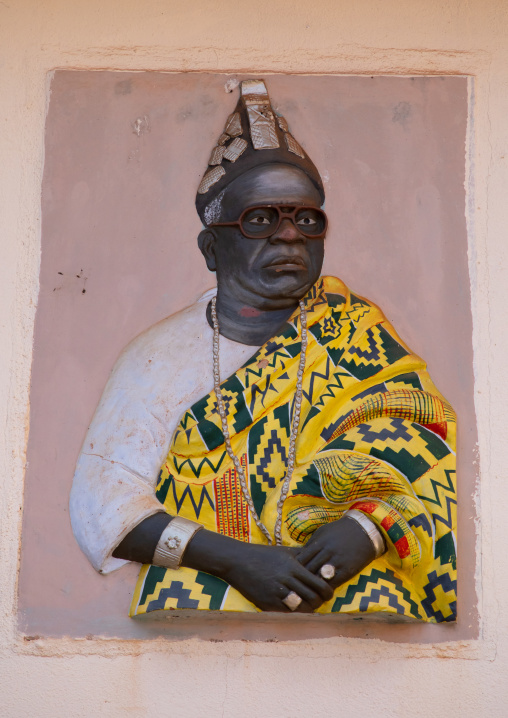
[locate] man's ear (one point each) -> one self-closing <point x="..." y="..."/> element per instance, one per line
<point x="206" y="243"/>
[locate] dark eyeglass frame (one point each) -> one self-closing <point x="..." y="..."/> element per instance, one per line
<point x="285" y="212"/>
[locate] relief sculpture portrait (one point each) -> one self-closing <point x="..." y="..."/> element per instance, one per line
<point x="276" y="446"/>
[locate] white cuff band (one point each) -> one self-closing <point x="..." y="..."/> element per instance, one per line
<point x="173" y="542"/>
<point x="370" y="529"/>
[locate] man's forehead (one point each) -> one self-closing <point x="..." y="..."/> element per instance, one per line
<point x="271" y="184"/>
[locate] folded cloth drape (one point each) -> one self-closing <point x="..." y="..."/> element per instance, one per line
<point x="375" y="435"/>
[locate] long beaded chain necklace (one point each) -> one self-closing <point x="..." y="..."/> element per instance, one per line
<point x="294" y="427"/>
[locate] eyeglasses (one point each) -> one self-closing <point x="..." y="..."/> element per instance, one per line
<point x="263" y="221"/>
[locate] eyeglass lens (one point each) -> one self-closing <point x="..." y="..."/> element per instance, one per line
<point x="261" y="222"/>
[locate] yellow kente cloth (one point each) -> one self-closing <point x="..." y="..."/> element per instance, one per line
<point x="375" y="435"/>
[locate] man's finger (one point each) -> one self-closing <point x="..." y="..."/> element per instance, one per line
<point x="315" y="582"/>
<point x="304" y="607"/>
<point x="318" y="560"/>
<point x="307" y="552"/>
<point x="307" y="594"/>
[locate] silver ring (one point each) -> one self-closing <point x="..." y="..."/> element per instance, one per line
<point x="327" y="571"/>
<point x="292" y="601"/>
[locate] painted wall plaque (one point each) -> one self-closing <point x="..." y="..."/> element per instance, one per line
<point x="275" y="446"/>
<point x="125" y="153"/>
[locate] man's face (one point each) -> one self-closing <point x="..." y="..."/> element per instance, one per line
<point x="267" y="273"/>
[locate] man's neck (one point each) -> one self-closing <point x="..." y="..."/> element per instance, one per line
<point x="246" y="324"/>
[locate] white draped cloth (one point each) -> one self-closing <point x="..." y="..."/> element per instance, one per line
<point x="157" y="377"/>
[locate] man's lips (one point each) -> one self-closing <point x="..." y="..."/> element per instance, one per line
<point x="286" y="264"/>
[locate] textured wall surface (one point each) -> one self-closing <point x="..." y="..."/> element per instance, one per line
<point x="82" y="677"/>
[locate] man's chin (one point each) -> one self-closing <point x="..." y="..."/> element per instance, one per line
<point x="284" y="289"/>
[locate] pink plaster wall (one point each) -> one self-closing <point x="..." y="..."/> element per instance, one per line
<point x="124" y="155"/>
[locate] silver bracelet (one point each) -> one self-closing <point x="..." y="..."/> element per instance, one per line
<point x="173" y="542"/>
<point x="370" y="529"/>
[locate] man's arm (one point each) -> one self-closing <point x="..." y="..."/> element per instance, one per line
<point x="157" y="377"/>
<point x="140" y="543"/>
<point x="263" y="574"/>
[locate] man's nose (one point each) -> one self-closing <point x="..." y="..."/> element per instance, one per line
<point x="287" y="232"/>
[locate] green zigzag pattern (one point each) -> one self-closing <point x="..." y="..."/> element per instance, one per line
<point x="373" y="578"/>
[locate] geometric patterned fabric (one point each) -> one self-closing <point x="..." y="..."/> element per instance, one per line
<point x="375" y="435"/>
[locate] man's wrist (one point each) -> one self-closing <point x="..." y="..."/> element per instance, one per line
<point x="214" y="553"/>
<point x="370" y="529"/>
<point x="139" y="544"/>
<point x="173" y="542"/>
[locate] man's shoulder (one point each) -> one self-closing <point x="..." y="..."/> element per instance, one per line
<point x="339" y="296"/>
<point x="169" y="338"/>
<point x="366" y="319"/>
